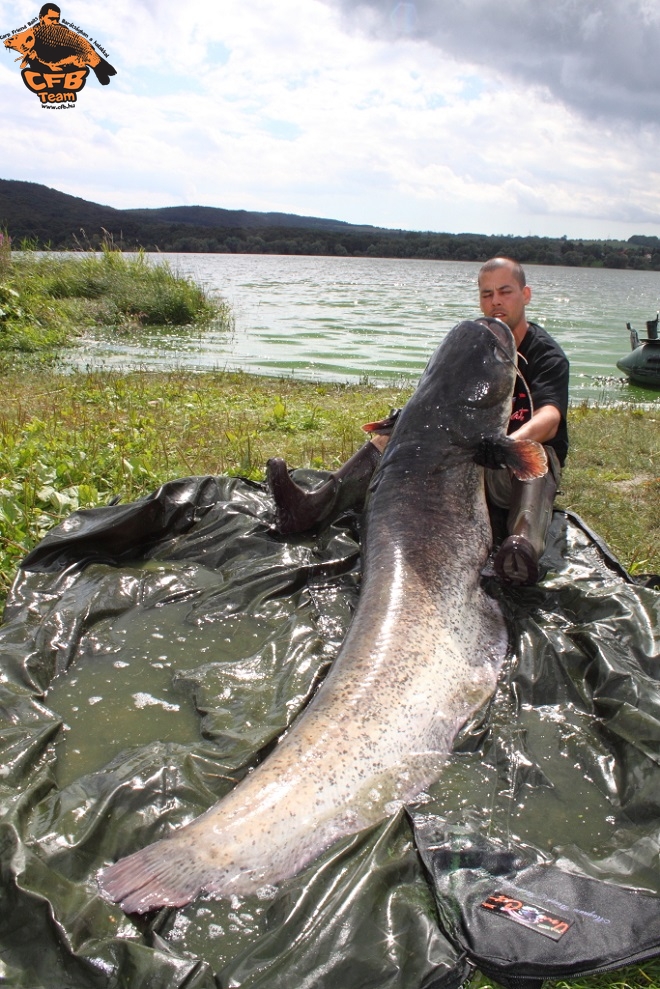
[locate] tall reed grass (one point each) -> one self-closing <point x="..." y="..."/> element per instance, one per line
<point x="5" y="254"/>
<point x="56" y="297"/>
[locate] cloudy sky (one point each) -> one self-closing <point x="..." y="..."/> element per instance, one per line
<point x="521" y="117"/>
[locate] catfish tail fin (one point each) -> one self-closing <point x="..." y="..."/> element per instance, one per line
<point x="164" y="874"/>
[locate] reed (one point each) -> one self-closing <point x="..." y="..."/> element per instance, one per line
<point x="56" y="298"/>
<point x="5" y="254"/>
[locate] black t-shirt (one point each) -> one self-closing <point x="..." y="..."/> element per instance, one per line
<point x="544" y="366"/>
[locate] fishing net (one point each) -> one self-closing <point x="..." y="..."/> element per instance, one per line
<point x="152" y="653"/>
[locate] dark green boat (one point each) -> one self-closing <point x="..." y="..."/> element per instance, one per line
<point x="642" y="364"/>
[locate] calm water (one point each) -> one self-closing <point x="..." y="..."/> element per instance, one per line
<point x="348" y="318"/>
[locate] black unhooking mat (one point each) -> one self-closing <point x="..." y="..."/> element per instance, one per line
<point x="152" y="653"/>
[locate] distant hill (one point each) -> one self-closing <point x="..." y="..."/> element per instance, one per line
<point x="32" y="211"/>
<point x="35" y="212"/>
<point x="240" y="219"/>
<point x="49" y="218"/>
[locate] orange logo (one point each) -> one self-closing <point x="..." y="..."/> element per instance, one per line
<point x="56" y="57"/>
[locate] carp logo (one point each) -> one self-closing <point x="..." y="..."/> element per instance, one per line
<point x="56" y="57"/>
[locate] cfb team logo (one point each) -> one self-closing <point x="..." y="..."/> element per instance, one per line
<point x="56" y="58"/>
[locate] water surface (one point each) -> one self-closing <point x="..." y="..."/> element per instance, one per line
<point x="346" y="319"/>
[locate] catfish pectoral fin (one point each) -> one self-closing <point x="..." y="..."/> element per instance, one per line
<point x="161" y="875"/>
<point x="526" y="458"/>
<point x="383" y="426"/>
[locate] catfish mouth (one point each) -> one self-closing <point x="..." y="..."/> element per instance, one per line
<point x="506" y="344"/>
<point x="502" y="334"/>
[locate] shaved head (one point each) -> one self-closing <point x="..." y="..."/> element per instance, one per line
<point x="495" y="263"/>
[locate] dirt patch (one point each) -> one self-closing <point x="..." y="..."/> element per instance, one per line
<point x="631" y="483"/>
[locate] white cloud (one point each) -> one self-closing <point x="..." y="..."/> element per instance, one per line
<point x="598" y="56"/>
<point x="280" y="105"/>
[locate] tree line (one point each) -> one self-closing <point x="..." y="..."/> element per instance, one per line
<point x="182" y="238"/>
<point x="429" y="246"/>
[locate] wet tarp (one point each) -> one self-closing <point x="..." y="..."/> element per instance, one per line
<point x="152" y="653"/>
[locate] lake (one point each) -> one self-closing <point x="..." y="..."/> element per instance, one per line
<point x="346" y="319"/>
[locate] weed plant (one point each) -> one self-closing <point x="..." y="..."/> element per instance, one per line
<point x="5" y="255"/>
<point x="51" y="299"/>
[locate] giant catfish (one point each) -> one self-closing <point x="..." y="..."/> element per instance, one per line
<point x="421" y="655"/>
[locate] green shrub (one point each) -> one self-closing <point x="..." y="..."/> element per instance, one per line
<point x="53" y="298"/>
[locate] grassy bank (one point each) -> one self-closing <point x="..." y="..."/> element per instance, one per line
<point x="48" y="300"/>
<point x="78" y="440"/>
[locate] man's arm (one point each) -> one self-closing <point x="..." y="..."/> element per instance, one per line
<point x="542" y="427"/>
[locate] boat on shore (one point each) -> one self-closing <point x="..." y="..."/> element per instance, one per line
<point x="642" y="364"/>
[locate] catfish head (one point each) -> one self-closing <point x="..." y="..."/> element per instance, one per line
<point x="467" y="385"/>
<point x="461" y="408"/>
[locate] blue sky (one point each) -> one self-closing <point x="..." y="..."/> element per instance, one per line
<point x="521" y="118"/>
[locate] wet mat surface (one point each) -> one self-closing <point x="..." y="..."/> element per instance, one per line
<point x="152" y="655"/>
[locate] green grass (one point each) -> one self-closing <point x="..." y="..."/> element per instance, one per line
<point x="47" y="300"/>
<point x="646" y="976"/>
<point x="612" y="480"/>
<point x="78" y="440"/>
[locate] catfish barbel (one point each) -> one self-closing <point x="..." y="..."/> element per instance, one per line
<point x="421" y="655"/>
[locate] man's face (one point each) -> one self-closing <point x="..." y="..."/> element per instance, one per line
<point x="501" y="297"/>
<point x="50" y="17"/>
